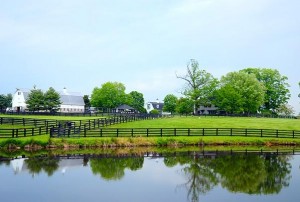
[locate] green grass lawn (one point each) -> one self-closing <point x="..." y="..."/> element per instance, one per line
<point x="215" y="122"/>
<point x="175" y="122"/>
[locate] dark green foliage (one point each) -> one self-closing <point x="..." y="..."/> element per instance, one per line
<point x="51" y="100"/>
<point x="5" y="101"/>
<point x="276" y="87"/>
<point x="110" y="95"/>
<point x="239" y="92"/>
<point x="170" y="102"/>
<point x="136" y="100"/>
<point x="87" y="103"/>
<point x="154" y="112"/>
<point x="35" y="100"/>
<point x="184" y="106"/>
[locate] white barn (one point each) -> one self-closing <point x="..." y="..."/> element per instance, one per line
<point x="71" y="102"/>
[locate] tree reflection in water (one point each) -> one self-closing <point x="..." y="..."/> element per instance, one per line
<point x="113" y="168"/>
<point x="36" y="165"/>
<point x="251" y="174"/>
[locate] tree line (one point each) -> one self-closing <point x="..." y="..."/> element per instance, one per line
<point x="248" y="91"/>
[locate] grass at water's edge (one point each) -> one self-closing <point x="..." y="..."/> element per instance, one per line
<point x="45" y="142"/>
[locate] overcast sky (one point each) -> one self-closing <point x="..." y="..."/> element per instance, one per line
<point x="81" y="44"/>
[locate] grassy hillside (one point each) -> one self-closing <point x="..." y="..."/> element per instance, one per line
<point x="216" y="122"/>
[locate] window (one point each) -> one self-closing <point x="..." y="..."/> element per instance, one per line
<point x="19" y="93"/>
<point x="157" y="106"/>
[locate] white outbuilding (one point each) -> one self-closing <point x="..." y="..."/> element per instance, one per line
<point x="71" y="102"/>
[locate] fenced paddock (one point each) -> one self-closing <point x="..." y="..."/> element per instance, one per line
<point x="173" y="132"/>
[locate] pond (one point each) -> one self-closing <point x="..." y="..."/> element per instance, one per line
<point x="187" y="176"/>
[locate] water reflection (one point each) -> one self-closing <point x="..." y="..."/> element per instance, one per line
<point x="113" y="168"/>
<point x="252" y="174"/>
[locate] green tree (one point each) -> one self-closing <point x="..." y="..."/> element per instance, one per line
<point x="137" y="100"/>
<point x="276" y="87"/>
<point x="199" y="86"/>
<point x="87" y="103"/>
<point x="5" y="101"/>
<point x="52" y="100"/>
<point x="110" y="95"/>
<point x="184" y="106"/>
<point x="170" y="102"/>
<point x="228" y="99"/>
<point x="239" y="92"/>
<point x="35" y="100"/>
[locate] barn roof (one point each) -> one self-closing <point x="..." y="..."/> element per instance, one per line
<point x="71" y="100"/>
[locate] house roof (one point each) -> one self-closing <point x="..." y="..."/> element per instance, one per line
<point x="157" y="105"/>
<point x="125" y="107"/>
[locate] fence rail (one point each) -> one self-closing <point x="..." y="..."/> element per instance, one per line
<point x="172" y="132"/>
<point x="33" y="127"/>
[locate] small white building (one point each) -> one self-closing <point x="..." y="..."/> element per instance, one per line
<point x="71" y="102"/>
<point x="149" y="106"/>
<point x="19" y="100"/>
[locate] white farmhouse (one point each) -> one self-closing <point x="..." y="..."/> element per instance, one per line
<point x="71" y="102"/>
<point x="149" y="106"/>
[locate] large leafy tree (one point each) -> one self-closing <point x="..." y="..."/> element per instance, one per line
<point x="51" y="100"/>
<point x="35" y="100"/>
<point x="136" y="100"/>
<point x="240" y="92"/>
<point x="184" y="106"/>
<point x="5" y="101"/>
<point x="277" y="92"/>
<point x="110" y="95"/>
<point x="199" y="84"/>
<point x="170" y="102"/>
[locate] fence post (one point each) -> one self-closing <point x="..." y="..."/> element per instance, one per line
<point x="217" y="131"/>
<point x="189" y="132"/>
<point x="131" y="132"/>
<point x="84" y="128"/>
<point x="32" y="131"/>
<point x="246" y="132"/>
<point x="17" y="132"/>
<point x="23" y="121"/>
<point x="40" y="130"/>
<point x="24" y="132"/>
<point x="174" y="131"/>
<point x="1" y="121"/>
<point x="293" y="134"/>
<point x="101" y="133"/>
<point x="161" y="132"/>
<point x="277" y="133"/>
<point x="261" y="132"/>
<point x="147" y="132"/>
<point x="117" y="132"/>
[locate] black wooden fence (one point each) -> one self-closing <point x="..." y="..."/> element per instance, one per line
<point x="33" y="127"/>
<point x="172" y="132"/>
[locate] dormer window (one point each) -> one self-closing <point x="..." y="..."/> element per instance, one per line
<point x="19" y="93"/>
<point x="157" y="106"/>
